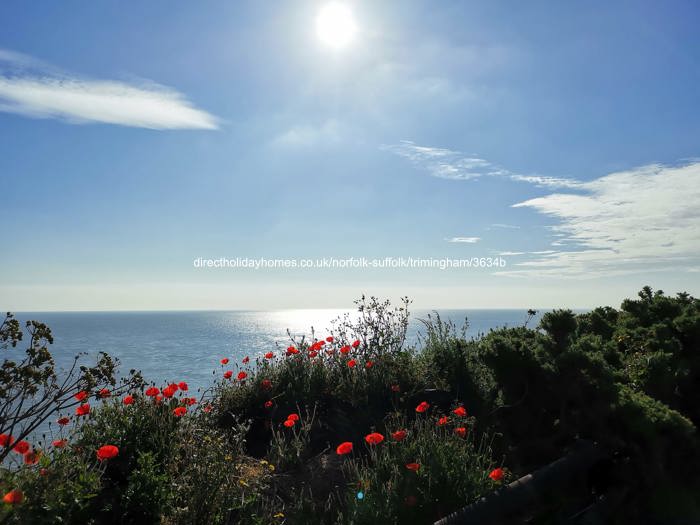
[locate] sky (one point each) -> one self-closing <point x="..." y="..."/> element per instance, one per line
<point x="561" y="138"/>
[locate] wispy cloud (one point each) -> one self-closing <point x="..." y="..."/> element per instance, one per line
<point x="308" y="135"/>
<point x="29" y="87"/>
<point x="450" y="164"/>
<point x="645" y="219"/>
<point x="505" y="226"/>
<point x="470" y="240"/>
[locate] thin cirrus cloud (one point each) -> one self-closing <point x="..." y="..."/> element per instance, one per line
<point x="641" y="220"/>
<point x="31" y="88"/>
<point x="449" y="164"/>
<point x="468" y="240"/>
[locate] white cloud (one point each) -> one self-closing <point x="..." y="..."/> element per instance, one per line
<point x="306" y="135"/>
<point x="642" y="220"/>
<point x="449" y="164"/>
<point x="470" y="240"/>
<point x="505" y="226"/>
<point x="30" y="88"/>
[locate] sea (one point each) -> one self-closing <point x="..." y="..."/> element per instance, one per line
<point x="187" y="346"/>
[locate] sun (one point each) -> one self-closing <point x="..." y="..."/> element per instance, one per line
<point x="335" y="25"/>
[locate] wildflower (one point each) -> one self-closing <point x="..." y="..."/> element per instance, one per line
<point x="374" y="438"/>
<point x="22" y="447"/>
<point x="266" y="384"/>
<point x="183" y="386"/>
<point x="422" y="407"/>
<point x="224" y="361"/>
<point x="6" y="440"/>
<point x="289" y="423"/>
<point x="104" y="394"/>
<point x="13" y="497"/>
<point x="345" y="350"/>
<point x="460" y="411"/>
<point x="369" y="364"/>
<point x="152" y="392"/>
<point x="443" y="421"/>
<point x="269" y="355"/>
<point x="268" y="404"/>
<point x="313" y="353"/>
<point x="279" y="515"/>
<point x="329" y="339"/>
<point x="107" y="452"/>
<point x="461" y="431"/>
<point x="180" y="411"/>
<point x="293" y="417"/>
<point x="158" y="399"/>
<point x="207" y="408"/>
<point x="128" y="400"/>
<point x="59" y="443"/>
<point x="395" y="388"/>
<point x="241" y="375"/>
<point x="82" y="410"/>
<point x="497" y="474"/>
<point x="189" y="401"/>
<point x="356" y="343"/>
<point x="63" y="421"/>
<point x="228" y="374"/>
<point x="246" y="360"/>
<point x="413" y="466"/>
<point x="169" y="391"/>
<point x="32" y="458"/>
<point x="321" y="343"/>
<point x="344" y="448"/>
<point x="399" y="435"/>
<point x="81" y="396"/>
<point x="292" y="350"/>
<point x="352" y="363"/>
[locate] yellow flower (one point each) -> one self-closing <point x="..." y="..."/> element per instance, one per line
<point x="279" y="515"/>
<point x="242" y="482"/>
<point x="272" y="468"/>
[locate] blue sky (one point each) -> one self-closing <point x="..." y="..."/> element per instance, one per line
<point x="562" y="137"/>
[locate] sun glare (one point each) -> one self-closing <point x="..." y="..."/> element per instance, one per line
<point x="335" y="25"/>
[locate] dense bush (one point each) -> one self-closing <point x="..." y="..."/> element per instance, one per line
<point x="308" y="434"/>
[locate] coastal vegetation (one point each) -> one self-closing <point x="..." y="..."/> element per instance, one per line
<point x="354" y="426"/>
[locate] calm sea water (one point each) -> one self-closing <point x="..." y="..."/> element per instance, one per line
<point x="176" y="346"/>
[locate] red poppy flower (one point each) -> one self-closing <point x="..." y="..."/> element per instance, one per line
<point x="207" y="408"/>
<point x="158" y="399"/>
<point x="461" y="431"/>
<point x="320" y="343"/>
<point x="180" y="411"/>
<point x="169" y="391"/>
<point x="497" y="474"/>
<point x="399" y="435"/>
<point x="413" y="466"/>
<point x="369" y="364"/>
<point x="345" y="350"/>
<point x="269" y="355"/>
<point x="313" y="354"/>
<point x="246" y="360"/>
<point x="82" y="410"/>
<point x="266" y="384"/>
<point x="356" y="343"/>
<point x="289" y="423"/>
<point x="352" y="363"/>
<point x="460" y="411"/>
<point x="422" y="407"/>
<point x="32" y="458"/>
<point x="63" y="421"/>
<point x="81" y="396"/>
<point x="374" y="438"/>
<point x="292" y="350"/>
<point x="395" y="388"/>
<point x="228" y="374"/>
<point x="183" y="386"/>
<point x="22" y="447"/>
<point x="59" y="443"/>
<point x="443" y="421"/>
<point x="189" y="401"/>
<point x="13" y="497"/>
<point x="329" y="339"/>
<point x="224" y="361"/>
<point x="6" y="440"/>
<point x="268" y="404"/>
<point x="152" y="392"/>
<point x="293" y="417"/>
<point x="107" y="452"/>
<point x="344" y="448"/>
<point x="128" y="400"/>
<point x="241" y="375"/>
